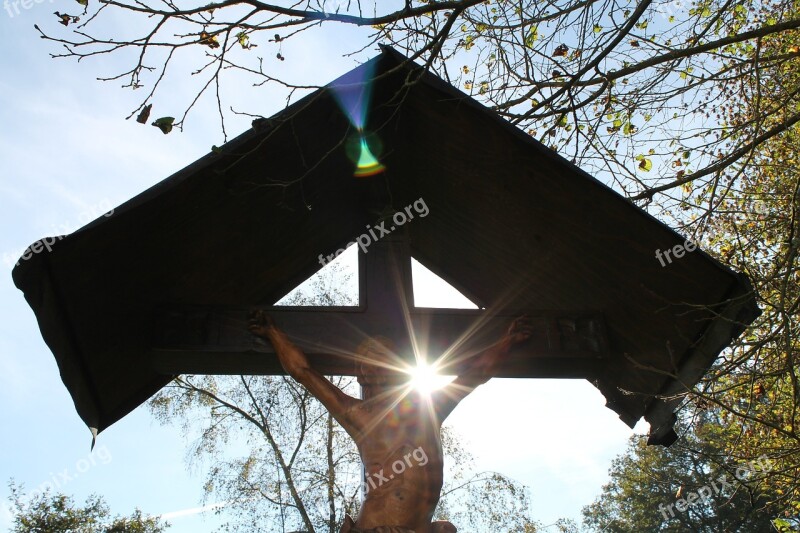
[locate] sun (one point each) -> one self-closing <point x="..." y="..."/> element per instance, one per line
<point x="426" y="379"/>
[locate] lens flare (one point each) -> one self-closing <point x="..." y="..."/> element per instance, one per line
<point x="363" y="150"/>
<point x="426" y="379"/>
<point x="368" y="164"/>
<point x="352" y="92"/>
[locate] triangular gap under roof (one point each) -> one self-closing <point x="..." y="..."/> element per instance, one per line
<point x="432" y="291"/>
<point x="335" y="284"/>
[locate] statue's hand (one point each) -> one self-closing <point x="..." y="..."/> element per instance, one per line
<point x="260" y="323"/>
<point x="520" y="330"/>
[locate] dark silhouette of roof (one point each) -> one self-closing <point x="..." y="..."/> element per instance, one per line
<point x="513" y="225"/>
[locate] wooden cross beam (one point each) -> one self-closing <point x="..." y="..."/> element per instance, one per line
<point x="207" y="340"/>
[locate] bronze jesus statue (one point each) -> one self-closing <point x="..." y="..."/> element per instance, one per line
<point x="396" y="430"/>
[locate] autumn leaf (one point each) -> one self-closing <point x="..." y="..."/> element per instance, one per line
<point x="209" y="40"/>
<point x="616" y="125"/>
<point x="244" y="40"/>
<point x="758" y="390"/>
<point x="84" y="3"/>
<point x="533" y="36"/>
<point x="66" y="20"/>
<point x="145" y="114"/>
<point x="469" y="42"/>
<point x="644" y="163"/>
<point x="164" y="124"/>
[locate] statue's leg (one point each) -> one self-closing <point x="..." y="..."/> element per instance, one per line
<point x="442" y="526"/>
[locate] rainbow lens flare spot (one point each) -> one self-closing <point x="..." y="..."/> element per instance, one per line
<point x="368" y="164"/>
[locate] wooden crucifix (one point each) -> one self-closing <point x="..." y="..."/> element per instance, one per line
<point x="396" y="428"/>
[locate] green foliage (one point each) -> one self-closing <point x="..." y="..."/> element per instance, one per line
<point x="690" y="486"/>
<point x="58" y="513"/>
<point x="750" y="220"/>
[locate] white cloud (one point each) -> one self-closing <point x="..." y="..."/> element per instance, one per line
<point x="192" y="511"/>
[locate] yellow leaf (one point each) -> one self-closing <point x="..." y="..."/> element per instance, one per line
<point x="209" y="40"/>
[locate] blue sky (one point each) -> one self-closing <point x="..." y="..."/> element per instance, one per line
<point x="66" y="155"/>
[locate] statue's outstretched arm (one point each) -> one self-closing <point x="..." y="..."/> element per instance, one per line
<point x="481" y="368"/>
<point x="296" y="364"/>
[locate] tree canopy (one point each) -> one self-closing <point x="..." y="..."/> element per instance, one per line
<point x="635" y="90"/>
<point x="691" y="486"/>
<point x="58" y="513"/>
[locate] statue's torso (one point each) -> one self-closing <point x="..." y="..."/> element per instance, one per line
<point x="402" y="457"/>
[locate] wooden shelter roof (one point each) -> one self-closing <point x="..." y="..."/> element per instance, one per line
<point x="130" y="300"/>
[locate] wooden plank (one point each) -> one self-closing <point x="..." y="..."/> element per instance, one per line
<point x="216" y="341"/>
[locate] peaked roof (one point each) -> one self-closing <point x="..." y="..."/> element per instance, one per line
<point x="511" y="224"/>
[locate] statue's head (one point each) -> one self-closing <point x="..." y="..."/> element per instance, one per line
<point x="376" y="362"/>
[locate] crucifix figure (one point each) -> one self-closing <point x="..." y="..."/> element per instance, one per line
<point x="396" y="429"/>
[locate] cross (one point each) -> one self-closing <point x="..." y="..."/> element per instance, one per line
<point x="212" y="340"/>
